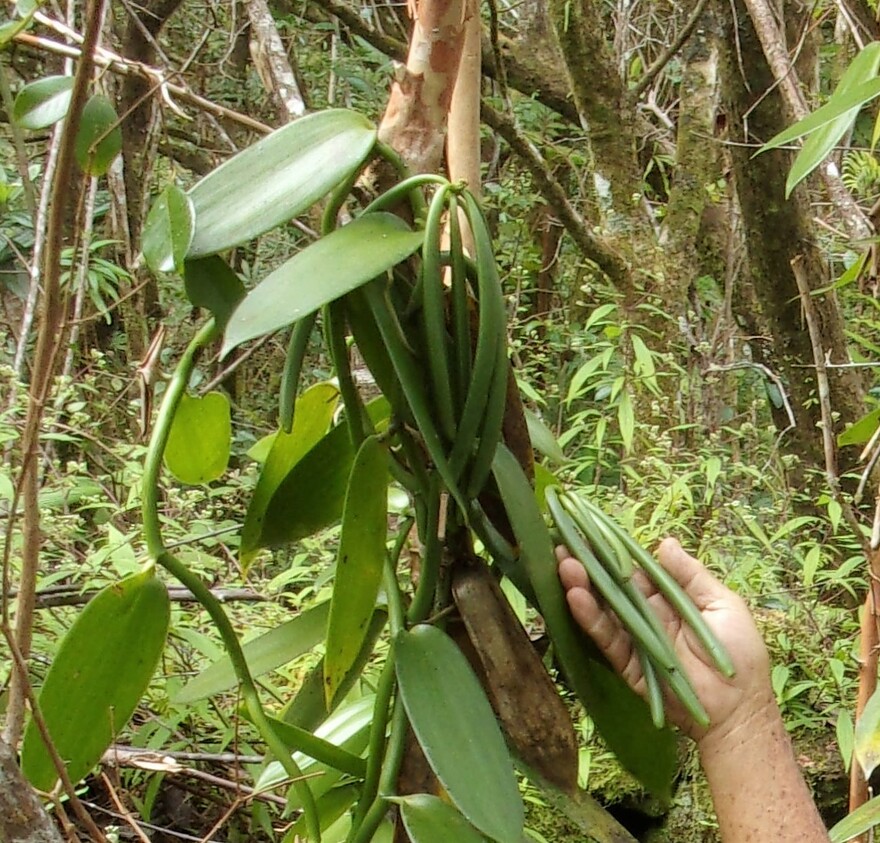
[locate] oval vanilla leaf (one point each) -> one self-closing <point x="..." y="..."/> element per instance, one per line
<point x="457" y="731"/>
<point x="168" y="230"/>
<point x="99" y="674"/>
<point x="429" y="819"/>
<point x="311" y="419"/>
<point x="323" y="271"/>
<point x="43" y="102"/>
<point x="277" y="178"/>
<point x="199" y="442"/>
<point x="99" y="138"/>
<point x="359" y="563"/>
<point x="312" y="494"/>
<point x="212" y="283"/>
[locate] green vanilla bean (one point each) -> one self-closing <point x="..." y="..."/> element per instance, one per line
<point x="673" y="592"/>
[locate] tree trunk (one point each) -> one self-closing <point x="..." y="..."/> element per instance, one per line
<point x="778" y="230"/>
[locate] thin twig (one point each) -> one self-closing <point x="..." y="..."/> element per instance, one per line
<point x="127" y="67"/>
<point x="602" y="254"/>
<point x="49" y="344"/>
<point x="667" y="55"/>
<point x="126" y="814"/>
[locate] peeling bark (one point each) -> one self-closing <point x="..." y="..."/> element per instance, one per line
<point x="415" y="121"/>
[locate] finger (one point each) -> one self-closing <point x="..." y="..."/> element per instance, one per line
<point x="572" y="573"/>
<point x="699" y="584"/>
<point x="602" y="626"/>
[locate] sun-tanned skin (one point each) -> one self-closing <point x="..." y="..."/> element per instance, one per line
<point x="757" y="787"/>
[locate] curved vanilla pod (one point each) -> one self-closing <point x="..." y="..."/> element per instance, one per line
<point x="672" y="591"/>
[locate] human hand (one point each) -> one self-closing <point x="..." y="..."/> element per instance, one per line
<point x="728" y="702"/>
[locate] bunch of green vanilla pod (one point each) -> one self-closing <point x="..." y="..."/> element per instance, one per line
<point x="610" y="557"/>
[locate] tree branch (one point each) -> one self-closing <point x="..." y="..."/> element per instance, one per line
<point x="666" y="56"/>
<point x="594" y="249"/>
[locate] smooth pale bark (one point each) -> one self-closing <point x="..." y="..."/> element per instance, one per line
<point x="415" y="120"/>
<point x="271" y="61"/>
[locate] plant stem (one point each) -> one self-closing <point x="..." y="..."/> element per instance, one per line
<point x="190" y="580"/>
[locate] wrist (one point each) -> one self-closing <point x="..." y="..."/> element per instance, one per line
<point x="751" y="721"/>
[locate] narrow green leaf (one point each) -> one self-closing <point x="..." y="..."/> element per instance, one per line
<point x="864" y="817"/>
<point x="314" y="412"/>
<point x="99" y="674"/>
<point x="347" y="728"/>
<point x="268" y="652"/>
<point x="278" y="178"/>
<point x="99" y="139"/>
<point x="42" y="103"/>
<point x="308" y="709"/>
<point x="10" y="29"/>
<point x="836" y="107"/>
<point x="620" y="715"/>
<point x="626" y="420"/>
<point x="331" y="806"/>
<point x="457" y="731"/>
<point x="168" y="230"/>
<point x="312" y="494"/>
<point x="323" y="271"/>
<point x="862" y="69"/>
<point x="200" y="439"/>
<point x="858" y="433"/>
<point x="845" y="733"/>
<point x="431" y="820"/>
<point x="867" y="736"/>
<point x="644" y="362"/>
<point x="211" y="283"/>
<point x="543" y="438"/>
<point x="359" y="563"/>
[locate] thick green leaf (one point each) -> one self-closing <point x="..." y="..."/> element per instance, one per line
<point x="359" y="563"/>
<point x="168" y="230"/>
<point x="431" y="820"/>
<point x="348" y="728"/>
<point x="331" y="806"/>
<point x="543" y="439"/>
<point x="822" y="141"/>
<point x="323" y="271"/>
<point x="620" y="715"/>
<point x="211" y="283"/>
<point x="200" y="438"/>
<point x="864" y="817"/>
<point x="312" y="494"/>
<point x="308" y="709"/>
<point x="456" y="728"/>
<point x="858" y="433"/>
<point x="99" y="139"/>
<point x="867" y="736"/>
<point x="263" y="654"/>
<point x="43" y="102"/>
<point x="99" y="674"/>
<point x="314" y="412"/>
<point x="278" y="178"/>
